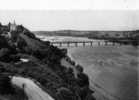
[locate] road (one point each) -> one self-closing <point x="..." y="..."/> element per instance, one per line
<point x="33" y="91"/>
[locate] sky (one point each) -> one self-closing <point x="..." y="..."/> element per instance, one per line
<point x="39" y="15"/>
<point x="69" y="4"/>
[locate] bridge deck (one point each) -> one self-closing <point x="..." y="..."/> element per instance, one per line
<point x="84" y="43"/>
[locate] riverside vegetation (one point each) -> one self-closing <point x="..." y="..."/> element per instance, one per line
<point x="43" y="66"/>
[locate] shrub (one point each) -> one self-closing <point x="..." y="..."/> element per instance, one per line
<point x="79" y="68"/>
<point x="5" y="85"/>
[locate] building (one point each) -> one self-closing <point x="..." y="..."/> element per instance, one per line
<point x="12" y="26"/>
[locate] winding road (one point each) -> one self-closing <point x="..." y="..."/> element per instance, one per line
<point x="33" y="91"/>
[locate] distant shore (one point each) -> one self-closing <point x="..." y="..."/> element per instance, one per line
<point x="124" y="37"/>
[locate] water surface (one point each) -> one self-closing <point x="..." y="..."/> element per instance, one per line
<point x="111" y="69"/>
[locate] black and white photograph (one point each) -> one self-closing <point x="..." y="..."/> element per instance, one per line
<point x="69" y="49"/>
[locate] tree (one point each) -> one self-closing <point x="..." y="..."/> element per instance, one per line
<point x="5" y="85"/>
<point x="79" y="68"/>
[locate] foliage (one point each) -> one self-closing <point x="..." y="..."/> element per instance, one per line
<point x="46" y="69"/>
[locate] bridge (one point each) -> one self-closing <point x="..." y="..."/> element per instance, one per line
<point x="82" y="43"/>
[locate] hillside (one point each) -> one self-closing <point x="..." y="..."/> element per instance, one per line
<point x="22" y="54"/>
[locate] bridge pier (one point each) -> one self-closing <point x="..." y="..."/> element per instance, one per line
<point x="68" y="44"/>
<point x="83" y="44"/>
<point x="60" y="44"/>
<point x="99" y="43"/>
<point x="91" y="43"/>
<point x="106" y="42"/>
<point x="113" y="43"/>
<point x="76" y="44"/>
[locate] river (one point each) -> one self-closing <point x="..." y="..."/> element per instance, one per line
<point x="112" y="70"/>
